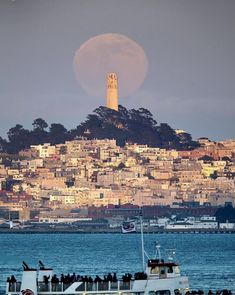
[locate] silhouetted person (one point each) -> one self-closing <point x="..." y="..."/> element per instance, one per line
<point x="114" y="278"/>
<point x="109" y="277"/>
<point x="46" y="279"/>
<point x="13" y="279"/>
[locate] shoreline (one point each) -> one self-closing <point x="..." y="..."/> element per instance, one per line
<point x="64" y="230"/>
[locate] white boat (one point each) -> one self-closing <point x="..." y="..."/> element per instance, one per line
<point x="157" y="278"/>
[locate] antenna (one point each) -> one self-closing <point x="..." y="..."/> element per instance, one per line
<point x="158" y="252"/>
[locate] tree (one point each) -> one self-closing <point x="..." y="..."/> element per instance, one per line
<point x="3" y="145"/>
<point x="168" y="136"/>
<point x="39" y="135"/>
<point x="57" y="133"/>
<point x="225" y="213"/>
<point x="39" y="124"/>
<point x="19" y="139"/>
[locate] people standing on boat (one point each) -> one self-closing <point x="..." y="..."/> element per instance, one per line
<point x="11" y="280"/>
<point x="97" y="279"/>
<point x="54" y="282"/>
<point x="115" y="277"/>
<point x="109" y="277"/>
<point x="46" y="279"/>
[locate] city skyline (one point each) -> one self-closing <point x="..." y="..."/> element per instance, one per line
<point x="189" y="45"/>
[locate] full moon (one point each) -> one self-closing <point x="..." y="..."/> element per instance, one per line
<point x="107" y="53"/>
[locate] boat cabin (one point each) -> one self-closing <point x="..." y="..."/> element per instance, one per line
<point x="159" y="268"/>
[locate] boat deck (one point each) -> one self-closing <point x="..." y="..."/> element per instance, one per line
<point x="76" y="287"/>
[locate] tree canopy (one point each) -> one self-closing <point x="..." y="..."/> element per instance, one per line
<point x="134" y="125"/>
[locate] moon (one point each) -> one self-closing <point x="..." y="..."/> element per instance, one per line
<point x="108" y="53"/>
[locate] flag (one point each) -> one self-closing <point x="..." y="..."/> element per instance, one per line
<point x="128" y="227"/>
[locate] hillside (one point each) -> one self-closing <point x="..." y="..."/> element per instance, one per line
<point x="136" y="126"/>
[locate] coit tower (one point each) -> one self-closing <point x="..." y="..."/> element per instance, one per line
<point x="112" y="91"/>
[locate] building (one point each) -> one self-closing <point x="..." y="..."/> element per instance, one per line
<point x="112" y="92"/>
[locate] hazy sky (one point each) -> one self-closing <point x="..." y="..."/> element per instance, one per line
<point x="190" y="46"/>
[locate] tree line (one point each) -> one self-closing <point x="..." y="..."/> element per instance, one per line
<point x="135" y="126"/>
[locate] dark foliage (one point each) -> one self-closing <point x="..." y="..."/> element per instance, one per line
<point x="135" y="126"/>
<point x="225" y="213"/>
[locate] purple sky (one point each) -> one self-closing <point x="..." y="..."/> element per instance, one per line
<point x="190" y="46"/>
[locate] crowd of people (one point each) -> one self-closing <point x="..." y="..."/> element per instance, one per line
<point x="218" y="292"/>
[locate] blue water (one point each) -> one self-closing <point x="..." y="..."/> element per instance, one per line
<point x="207" y="259"/>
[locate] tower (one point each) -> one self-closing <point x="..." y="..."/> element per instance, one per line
<point x="112" y="91"/>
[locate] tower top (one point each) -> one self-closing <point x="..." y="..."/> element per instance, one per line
<point x="112" y="91"/>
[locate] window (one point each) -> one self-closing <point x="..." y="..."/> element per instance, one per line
<point x="154" y="270"/>
<point x="160" y="292"/>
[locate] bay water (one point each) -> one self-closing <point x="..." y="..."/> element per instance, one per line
<point x="207" y="259"/>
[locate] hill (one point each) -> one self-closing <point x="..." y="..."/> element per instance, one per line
<point x="135" y="126"/>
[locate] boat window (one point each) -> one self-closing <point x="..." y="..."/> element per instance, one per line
<point x="154" y="270"/>
<point x="160" y="292"/>
<point x="177" y="269"/>
<point x="170" y="269"/>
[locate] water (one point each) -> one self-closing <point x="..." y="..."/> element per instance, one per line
<point x="207" y="259"/>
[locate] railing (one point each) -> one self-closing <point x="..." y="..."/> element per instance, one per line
<point x="52" y="287"/>
<point x="84" y="286"/>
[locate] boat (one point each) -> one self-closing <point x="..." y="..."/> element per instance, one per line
<point x="157" y="277"/>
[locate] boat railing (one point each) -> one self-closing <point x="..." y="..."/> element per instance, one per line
<point x="84" y="286"/>
<point x="53" y="287"/>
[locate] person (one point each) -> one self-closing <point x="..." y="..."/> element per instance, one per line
<point x="12" y="280"/>
<point x="109" y="277"/>
<point x="54" y="282"/>
<point x="46" y="279"/>
<point x="115" y="277"/>
<point x="97" y="279"/>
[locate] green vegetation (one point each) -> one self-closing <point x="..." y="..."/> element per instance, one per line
<point x="135" y="126"/>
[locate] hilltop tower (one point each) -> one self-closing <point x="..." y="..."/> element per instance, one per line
<point x="112" y="91"/>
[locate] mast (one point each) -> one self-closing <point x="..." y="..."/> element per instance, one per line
<point x="142" y="239"/>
